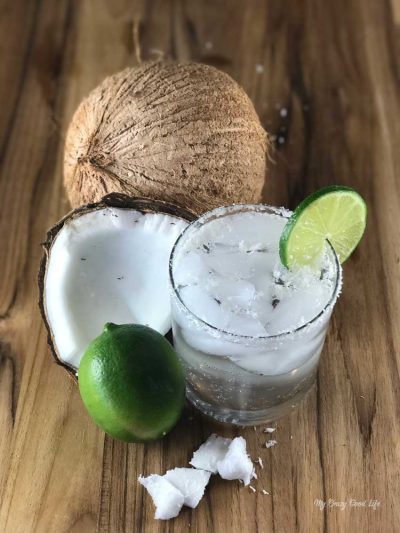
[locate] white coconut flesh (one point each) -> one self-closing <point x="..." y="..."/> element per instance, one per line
<point x="108" y="265"/>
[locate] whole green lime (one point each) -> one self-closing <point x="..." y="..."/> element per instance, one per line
<point x="132" y="383"/>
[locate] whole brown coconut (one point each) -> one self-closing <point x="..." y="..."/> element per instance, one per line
<point x="184" y="133"/>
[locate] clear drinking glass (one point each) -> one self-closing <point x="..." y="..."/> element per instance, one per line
<point x="245" y="379"/>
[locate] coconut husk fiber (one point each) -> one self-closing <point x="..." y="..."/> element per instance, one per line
<point x="185" y="133"/>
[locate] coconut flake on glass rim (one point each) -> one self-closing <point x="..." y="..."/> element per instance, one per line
<point x="226" y="232"/>
<point x="108" y="265"/>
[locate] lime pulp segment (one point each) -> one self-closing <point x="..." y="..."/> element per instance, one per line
<point x="337" y="214"/>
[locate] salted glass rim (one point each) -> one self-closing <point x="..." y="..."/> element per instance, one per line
<point x="220" y="212"/>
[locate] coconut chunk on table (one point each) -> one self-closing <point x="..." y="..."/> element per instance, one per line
<point x="210" y="453"/>
<point x="191" y="482"/>
<point x="166" y="497"/>
<point x="236" y="464"/>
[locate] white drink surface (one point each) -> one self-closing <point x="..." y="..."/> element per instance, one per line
<point x="229" y="275"/>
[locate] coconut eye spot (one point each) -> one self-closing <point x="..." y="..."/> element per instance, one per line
<point x="108" y="265"/>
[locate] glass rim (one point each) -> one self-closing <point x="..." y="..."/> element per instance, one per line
<point x="282" y="212"/>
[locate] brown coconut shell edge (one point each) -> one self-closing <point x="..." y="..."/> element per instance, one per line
<point x="122" y="201"/>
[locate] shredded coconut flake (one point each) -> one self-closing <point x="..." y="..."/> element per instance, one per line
<point x="252" y="488"/>
<point x="260" y="462"/>
<point x="210" y="453"/>
<point x="269" y="430"/>
<point x="270" y="443"/>
<point x="264" y="491"/>
<point x="167" y="498"/>
<point x="191" y="482"/>
<point x="236" y="464"/>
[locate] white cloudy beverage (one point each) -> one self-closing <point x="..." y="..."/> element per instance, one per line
<point x="248" y="331"/>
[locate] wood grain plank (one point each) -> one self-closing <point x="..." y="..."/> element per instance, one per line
<point x="53" y="451"/>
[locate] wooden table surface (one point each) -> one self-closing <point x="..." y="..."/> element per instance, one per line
<point x="334" y="66"/>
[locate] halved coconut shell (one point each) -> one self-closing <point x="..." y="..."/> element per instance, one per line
<point x="107" y="262"/>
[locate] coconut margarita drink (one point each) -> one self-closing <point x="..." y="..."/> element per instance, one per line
<point x="249" y="331"/>
<point x="252" y="286"/>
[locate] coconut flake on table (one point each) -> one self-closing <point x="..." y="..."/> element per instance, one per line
<point x="210" y="453"/>
<point x="260" y="462"/>
<point x="186" y="486"/>
<point x="236" y="463"/>
<point x="166" y="497"/>
<point x="269" y="430"/>
<point x="270" y="443"/>
<point x="191" y="482"/>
